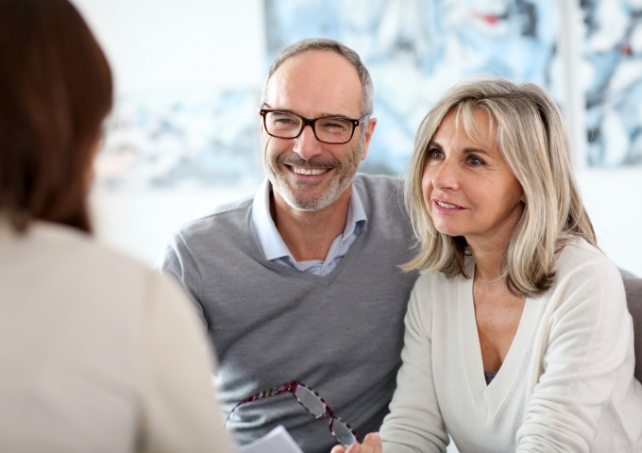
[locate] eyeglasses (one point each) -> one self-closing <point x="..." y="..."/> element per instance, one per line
<point x="313" y="403"/>
<point x="335" y="130"/>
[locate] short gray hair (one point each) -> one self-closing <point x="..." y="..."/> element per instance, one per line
<point x="331" y="45"/>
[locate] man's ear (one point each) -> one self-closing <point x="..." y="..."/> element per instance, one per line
<point x="367" y="136"/>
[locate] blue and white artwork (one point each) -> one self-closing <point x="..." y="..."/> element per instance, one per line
<point x="612" y="59"/>
<point x="181" y="140"/>
<point x="416" y="49"/>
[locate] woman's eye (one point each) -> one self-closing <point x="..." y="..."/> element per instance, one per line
<point x="475" y="161"/>
<point x="434" y="154"/>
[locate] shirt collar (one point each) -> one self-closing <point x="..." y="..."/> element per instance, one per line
<point x="269" y="237"/>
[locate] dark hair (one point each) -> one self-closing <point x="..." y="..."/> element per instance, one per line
<point x="55" y="91"/>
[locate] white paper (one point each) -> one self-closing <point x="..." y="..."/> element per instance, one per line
<point x="276" y="441"/>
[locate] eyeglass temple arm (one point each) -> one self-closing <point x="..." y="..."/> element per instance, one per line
<point x="283" y="388"/>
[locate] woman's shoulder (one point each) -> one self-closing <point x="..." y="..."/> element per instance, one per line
<point x="585" y="276"/>
<point x="580" y="258"/>
<point x="85" y="264"/>
<point x="432" y="278"/>
<point x="71" y="246"/>
<point x="439" y="285"/>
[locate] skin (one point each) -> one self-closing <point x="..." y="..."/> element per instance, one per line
<point x="469" y="190"/>
<point x="312" y="181"/>
<point x="371" y="444"/>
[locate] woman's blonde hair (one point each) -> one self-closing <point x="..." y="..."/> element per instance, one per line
<point x="531" y="136"/>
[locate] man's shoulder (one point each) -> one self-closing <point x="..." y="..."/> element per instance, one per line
<point x="385" y="182"/>
<point x="227" y="218"/>
<point x="382" y="195"/>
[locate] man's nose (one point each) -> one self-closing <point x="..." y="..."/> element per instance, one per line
<point x="306" y="145"/>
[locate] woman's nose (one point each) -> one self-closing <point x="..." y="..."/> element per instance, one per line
<point x="445" y="175"/>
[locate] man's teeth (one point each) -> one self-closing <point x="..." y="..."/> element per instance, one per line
<point x="446" y="205"/>
<point x="308" y="171"/>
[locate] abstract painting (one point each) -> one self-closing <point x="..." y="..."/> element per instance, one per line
<point x="612" y="60"/>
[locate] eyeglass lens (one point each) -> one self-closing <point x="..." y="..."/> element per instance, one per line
<point x="312" y="403"/>
<point x="289" y="125"/>
<point x="342" y="432"/>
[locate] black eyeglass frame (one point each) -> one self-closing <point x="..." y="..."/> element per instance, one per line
<point x="291" y="387"/>
<point x="311" y="122"/>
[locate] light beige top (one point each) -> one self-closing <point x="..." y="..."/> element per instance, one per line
<point x="98" y="352"/>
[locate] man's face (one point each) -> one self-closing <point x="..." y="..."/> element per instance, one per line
<point x="305" y="173"/>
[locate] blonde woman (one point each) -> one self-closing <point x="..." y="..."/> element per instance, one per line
<point x="517" y="333"/>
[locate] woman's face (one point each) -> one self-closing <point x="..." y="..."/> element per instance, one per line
<point x="467" y="186"/>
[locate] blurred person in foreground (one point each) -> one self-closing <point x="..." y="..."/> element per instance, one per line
<point x="301" y="282"/>
<point x="518" y="337"/>
<point x="98" y="352"/>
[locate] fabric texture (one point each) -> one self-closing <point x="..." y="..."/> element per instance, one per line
<point x="274" y="247"/>
<point x="98" y="352"/>
<point x="566" y="383"/>
<point x="633" y="288"/>
<point x="340" y="334"/>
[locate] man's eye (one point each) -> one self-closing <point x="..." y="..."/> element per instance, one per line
<point x="334" y="125"/>
<point x="283" y="120"/>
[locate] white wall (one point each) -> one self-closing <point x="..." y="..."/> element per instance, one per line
<point x="155" y="45"/>
<point x="613" y="199"/>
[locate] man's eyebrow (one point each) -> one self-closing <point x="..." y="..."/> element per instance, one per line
<point x="320" y="115"/>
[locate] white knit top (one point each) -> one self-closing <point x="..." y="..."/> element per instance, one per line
<point x="566" y="383"/>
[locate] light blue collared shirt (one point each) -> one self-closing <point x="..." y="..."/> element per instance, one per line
<point x="275" y="249"/>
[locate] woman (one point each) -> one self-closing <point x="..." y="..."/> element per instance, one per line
<point x="98" y="353"/>
<point x="521" y="339"/>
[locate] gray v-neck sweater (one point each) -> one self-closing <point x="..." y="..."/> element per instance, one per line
<point x="340" y="334"/>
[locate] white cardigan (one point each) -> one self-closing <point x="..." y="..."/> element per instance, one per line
<point x="566" y="383"/>
<point x="98" y="352"/>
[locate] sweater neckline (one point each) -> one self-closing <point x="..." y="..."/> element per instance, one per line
<point x="327" y="279"/>
<point x="495" y="393"/>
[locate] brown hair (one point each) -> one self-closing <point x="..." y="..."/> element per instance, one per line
<point x="55" y="91"/>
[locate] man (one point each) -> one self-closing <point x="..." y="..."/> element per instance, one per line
<point x="302" y="282"/>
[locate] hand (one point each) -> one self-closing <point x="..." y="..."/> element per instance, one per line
<point x="371" y="444"/>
